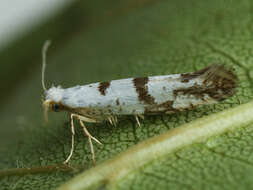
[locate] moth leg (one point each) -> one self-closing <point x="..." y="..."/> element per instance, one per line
<point x="116" y="120"/>
<point x="81" y="119"/>
<point x="73" y="140"/>
<point x="110" y="120"/>
<point x="137" y="119"/>
<point x="141" y="116"/>
<point x="90" y="137"/>
<point x="113" y="120"/>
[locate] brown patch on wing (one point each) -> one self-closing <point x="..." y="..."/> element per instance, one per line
<point x="103" y="86"/>
<point x="197" y="90"/>
<point x="218" y="82"/>
<point x="142" y="90"/>
<point x="185" y="77"/>
<point x="166" y="107"/>
<point x="117" y="101"/>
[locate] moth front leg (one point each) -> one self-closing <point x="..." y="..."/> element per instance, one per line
<point x="86" y="132"/>
<point x="90" y="137"/>
<point x="72" y="140"/>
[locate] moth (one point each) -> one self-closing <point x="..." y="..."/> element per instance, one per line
<point x="97" y="102"/>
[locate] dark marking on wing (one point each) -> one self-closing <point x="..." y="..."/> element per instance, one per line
<point x="186" y="77"/>
<point x="191" y="106"/>
<point x="142" y="90"/>
<point x="218" y="82"/>
<point x="102" y="87"/>
<point x="117" y="101"/>
<point x="166" y="107"/>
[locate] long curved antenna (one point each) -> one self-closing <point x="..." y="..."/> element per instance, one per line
<point x="44" y="52"/>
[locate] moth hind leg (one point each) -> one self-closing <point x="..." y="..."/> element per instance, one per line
<point x="137" y="119"/>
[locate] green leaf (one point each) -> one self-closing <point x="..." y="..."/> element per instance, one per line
<point x="147" y="159"/>
<point x="121" y="39"/>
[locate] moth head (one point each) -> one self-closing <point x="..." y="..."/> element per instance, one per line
<point x="51" y="105"/>
<point x="52" y="100"/>
<point x="47" y="104"/>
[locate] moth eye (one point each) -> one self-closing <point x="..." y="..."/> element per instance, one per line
<point x="56" y="107"/>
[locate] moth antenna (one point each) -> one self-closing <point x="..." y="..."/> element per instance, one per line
<point x="44" y="53"/>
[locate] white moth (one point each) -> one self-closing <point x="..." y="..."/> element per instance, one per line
<point x="166" y="94"/>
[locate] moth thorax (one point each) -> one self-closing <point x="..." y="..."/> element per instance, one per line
<point x="54" y="94"/>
